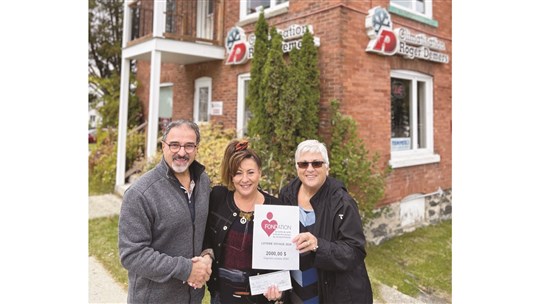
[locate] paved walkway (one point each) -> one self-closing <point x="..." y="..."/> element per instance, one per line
<point x="104" y="289"/>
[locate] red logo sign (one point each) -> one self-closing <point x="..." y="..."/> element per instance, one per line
<point x="379" y="28"/>
<point x="238" y="54"/>
<point x="236" y="45"/>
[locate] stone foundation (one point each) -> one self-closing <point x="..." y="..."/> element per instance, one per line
<point x="407" y="215"/>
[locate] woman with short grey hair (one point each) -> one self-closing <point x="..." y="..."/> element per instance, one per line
<point x="331" y="242"/>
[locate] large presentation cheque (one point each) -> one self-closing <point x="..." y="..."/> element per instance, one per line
<point x="273" y="229"/>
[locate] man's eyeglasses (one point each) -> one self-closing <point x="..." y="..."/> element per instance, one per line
<point x="315" y="164"/>
<point x="175" y="147"/>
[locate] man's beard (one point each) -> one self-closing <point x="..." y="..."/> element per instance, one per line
<point x="180" y="169"/>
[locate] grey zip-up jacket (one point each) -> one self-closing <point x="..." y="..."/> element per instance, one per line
<point x="157" y="237"/>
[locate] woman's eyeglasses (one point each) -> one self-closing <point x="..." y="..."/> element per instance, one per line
<point x="315" y="164"/>
<point x="175" y="147"/>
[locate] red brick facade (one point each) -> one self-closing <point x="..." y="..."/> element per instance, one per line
<point x="360" y="80"/>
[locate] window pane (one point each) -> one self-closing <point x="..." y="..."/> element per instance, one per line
<point x="165" y="101"/>
<point x="401" y="116"/>
<point x="421" y="110"/>
<point x="210" y="7"/>
<point x="170" y="20"/>
<point x="403" y="3"/>
<point x="203" y="104"/>
<point x="420" y="6"/>
<point x="253" y="4"/>
<point x="413" y="5"/>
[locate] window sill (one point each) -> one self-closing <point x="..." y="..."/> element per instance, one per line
<point x="409" y="160"/>
<point x="414" y="16"/>
<point x="267" y="14"/>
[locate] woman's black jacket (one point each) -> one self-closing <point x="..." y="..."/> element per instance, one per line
<point x="339" y="259"/>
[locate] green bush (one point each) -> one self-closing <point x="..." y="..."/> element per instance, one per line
<point x="135" y="148"/>
<point x="275" y="174"/>
<point x="102" y="159"/>
<point x="102" y="169"/>
<point x="152" y="162"/>
<point x="214" y="140"/>
<point x="351" y="163"/>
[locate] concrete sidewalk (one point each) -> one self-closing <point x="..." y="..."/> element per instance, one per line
<point x="104" y="289"/>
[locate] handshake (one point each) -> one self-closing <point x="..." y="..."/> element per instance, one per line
<point x="201" y="270"/>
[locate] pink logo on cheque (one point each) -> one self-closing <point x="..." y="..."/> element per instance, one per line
<point x="269" y="226"/>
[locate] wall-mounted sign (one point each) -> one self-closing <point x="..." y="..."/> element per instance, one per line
<point x="216" y="108"/>
<point x="388" y="41"/>
<point x="236" y="46"/>
<point x="240" y="48"/>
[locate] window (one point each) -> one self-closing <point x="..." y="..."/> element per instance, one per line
<point x="135" y="20"/>
<point x="205" y="19"/>
<point x="420" y="7"/>
<point x="248" y="8"/>
<point x="411" y="119"/>
<point x="165" y="105"/>
<point x="203" y="96"/>
<point x="242" y="112"/>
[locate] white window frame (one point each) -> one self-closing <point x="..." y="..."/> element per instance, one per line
<point x="417" y="156"/>
<point x="241" y="104"/>
<point x="202" y="82"/>
<point x="273" y="10"/>
<point x="428" y="5"/>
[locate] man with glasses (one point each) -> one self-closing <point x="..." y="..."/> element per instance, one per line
<point x="162" y="223"/>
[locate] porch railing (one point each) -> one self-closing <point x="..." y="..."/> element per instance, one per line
<point x="185" y="20"/>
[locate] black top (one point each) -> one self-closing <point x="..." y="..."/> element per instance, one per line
<point x="222" y="213"/>
<point x="340" y="257"/>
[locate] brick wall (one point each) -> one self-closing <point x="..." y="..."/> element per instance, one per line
<point x="360" y="80"/>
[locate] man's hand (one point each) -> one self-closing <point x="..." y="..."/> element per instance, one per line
<point x="200" y="271"/>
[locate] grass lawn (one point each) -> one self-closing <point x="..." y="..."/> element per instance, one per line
<point x="103" y="244"/>
<point x="416" y="262"/>
<point x="420" y="261"/>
